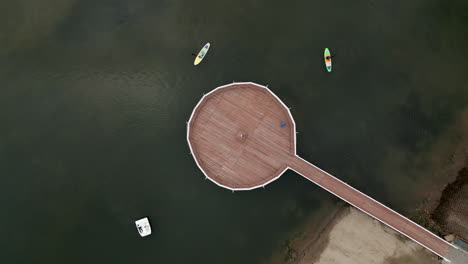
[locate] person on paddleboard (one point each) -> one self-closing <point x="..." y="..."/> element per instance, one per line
<point x="200" y="55"/>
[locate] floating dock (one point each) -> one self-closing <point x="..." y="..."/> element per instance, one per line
<point x="242" y="137"/>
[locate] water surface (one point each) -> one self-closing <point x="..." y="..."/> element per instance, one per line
<point x="94" y="96"/>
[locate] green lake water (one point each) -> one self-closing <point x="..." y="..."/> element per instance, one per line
<point x="95" y="95"/>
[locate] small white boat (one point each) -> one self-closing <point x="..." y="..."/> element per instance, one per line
<point x="143" y="227"/>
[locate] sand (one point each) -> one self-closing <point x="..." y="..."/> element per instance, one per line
<point x="353" y="237"/>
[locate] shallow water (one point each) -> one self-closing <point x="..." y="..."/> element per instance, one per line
<point x="94" y="97"/>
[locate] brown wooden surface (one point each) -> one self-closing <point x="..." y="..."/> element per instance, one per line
<point x="236" y="139"/>
<point x="235" y="135"/>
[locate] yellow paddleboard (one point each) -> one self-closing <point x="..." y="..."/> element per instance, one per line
<point x="201" y="54"/>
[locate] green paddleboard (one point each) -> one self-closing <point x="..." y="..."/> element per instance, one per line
<point x="327" y="58"/>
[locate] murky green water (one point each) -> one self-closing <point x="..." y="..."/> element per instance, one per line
<point x="94" y="96"/>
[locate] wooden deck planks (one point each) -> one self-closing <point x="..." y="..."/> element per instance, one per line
<point x="215" y="136"/>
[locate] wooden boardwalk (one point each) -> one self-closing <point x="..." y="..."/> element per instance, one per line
<point x="235" y="136"/>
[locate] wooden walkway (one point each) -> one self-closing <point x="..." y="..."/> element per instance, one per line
<point x="371" y="207"/>
<point x="235" y="136"/>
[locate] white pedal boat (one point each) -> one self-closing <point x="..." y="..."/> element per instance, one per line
<point x="143" y="227"/>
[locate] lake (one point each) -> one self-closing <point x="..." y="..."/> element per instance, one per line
<point x="95" y="96"/>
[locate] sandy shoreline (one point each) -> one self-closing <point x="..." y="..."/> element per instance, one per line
<point x="349" y="236"/>
<point x="356" y="238"/>
<point x="353" y="237"/>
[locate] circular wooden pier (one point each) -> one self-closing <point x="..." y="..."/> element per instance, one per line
<point x="241" y="136"/>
